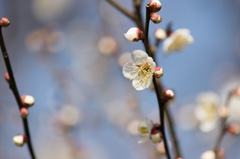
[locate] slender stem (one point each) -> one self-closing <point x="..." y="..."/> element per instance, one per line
<point x="161" y="103"/>
<point x="138" y="20"/>
<point x="122" y="9"/>
<point x="14" y="89"/>
<point x="172" y="132"/>
<point x="223" y="128"/>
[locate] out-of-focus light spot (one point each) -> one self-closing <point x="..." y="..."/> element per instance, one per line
<point x="107" y="45"/>
<point x="124" y="58"/>
<point x="45" y="10"/>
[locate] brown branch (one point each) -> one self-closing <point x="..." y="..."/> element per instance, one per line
<point x="122" y="9"/>
<point x="161" y="103"/>
<point x="14" y="89"/>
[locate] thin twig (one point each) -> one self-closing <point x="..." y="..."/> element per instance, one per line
<point x="122" y="9"/>
<point x="161" y="103"/>
<point x="223" y="128"/>
<point x="14" y="89"/>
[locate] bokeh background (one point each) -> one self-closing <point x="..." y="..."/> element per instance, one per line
<point x="68" y="54"/>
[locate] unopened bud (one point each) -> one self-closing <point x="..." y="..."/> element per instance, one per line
<point x="24" y="112"/>
<point x="158" y="72"/>
<point x="27" y="100"/>
<point x="7" y="78"/>
<point x="19" y="140"/>
<point x="155" y="18"/>
<point x="221" y="154"/>
<point x="223" y="112"/>
<point x="168" y="94"/>
<point x="156" y="134"/>
<point x="236" y="91"/>
<point x="134" y="34"/>
<point x="160" y="34"/>
<point x="208" y="155"/>
<point x="4" y="22"/>
<point x="155" y="5"/>
<point x="233" y="129"/>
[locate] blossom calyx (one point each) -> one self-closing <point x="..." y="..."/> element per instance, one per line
<point x="160" y="34"/>
<point x="19" y="140"/>
<point x="27" y="100"/>
<point x="134" y="34"/>
<point x="24" y="112"/>
<point x="236" y="91"/>
<point x="168" y="94"/>
<point x="156" y="135"/>
<point x="7" y="78"/>
<point x="233" y="129"/>
<point x="155" y="5"/>
<point x="155" y="18"/>
<point x="158" y="72"/>
<point x="4" y="22"/>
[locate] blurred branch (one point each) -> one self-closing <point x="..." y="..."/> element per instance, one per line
<point x="14" y="89"/>
<point x="122" y="9"/>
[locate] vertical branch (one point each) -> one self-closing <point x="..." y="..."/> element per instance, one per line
<point x="14" y="89"/>
<point x="161" y="103"/>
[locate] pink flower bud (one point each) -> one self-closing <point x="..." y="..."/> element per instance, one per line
<point x="7" y="77"/>
<point x="236" y="91"/>
<point x="134" y="34"/>
<point x="156" y="134"/>
<point x="158" y="72"/>
<point x="223" y="112"/>
<point x="24" y="112"/>
<point x="220" y="154"/>
<point x="27" y="100"/>
<point x="233" y="129"/>
<point x="4" y="22"/>
<point x="160" y="34"/>
<point x="19" y="140"/>
<point x="155" y="18"/>
<point x="155" y="5"/>
<point x="168" y="94"/>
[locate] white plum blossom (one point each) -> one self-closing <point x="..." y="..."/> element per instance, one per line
<point x="207" y="111"/>
<point x="140" y="71"/>
<point x="177" y="40"/>
<point x="134" y="34"/>
<point x="149" y="131"/>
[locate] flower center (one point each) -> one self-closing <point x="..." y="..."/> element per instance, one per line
<point x="145" y="69"/>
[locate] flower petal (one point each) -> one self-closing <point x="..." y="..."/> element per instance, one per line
<point x="140" y="83"/>
<point x="143" y="139"/>
<point x="139" y="56"/>
<point x="130" y="70"/>
<point x="152" y="64"/>
<point x="149" y="124"/>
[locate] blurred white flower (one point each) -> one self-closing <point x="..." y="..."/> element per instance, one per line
<point x="144" y="129"/>
<point x="107" y="45"/>
<point x="208" y="155"/>
<point x="148" y="130"/>
<point x="234" y="109"/>
<point x="177" y="40"/>
<point x="69" y="115"/>
<point x="160" y="34"/>
<point x="206" y="111"/>
<point x="134" y="34"/>
<point x="140" y="71"/>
